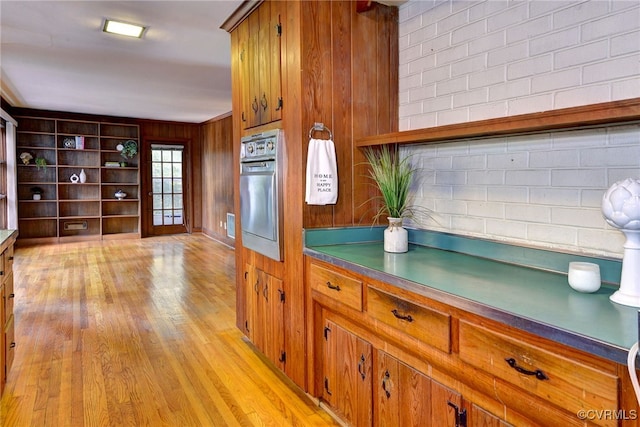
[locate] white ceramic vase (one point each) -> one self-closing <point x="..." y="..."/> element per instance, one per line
<point x="83" y="176"/>
<point x="396" y="238"/>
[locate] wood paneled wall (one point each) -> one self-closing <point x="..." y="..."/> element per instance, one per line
<point x="217" y="173"/>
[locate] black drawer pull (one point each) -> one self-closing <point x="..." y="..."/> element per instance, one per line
<point x="408" y="317"/>
<point x="538" y="373"/>
<point x="11" y="295"/>
<point x="332" y="286"/>
<point x="13" y="345"/>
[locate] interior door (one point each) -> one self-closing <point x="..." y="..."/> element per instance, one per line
<point x="166" y="213"/>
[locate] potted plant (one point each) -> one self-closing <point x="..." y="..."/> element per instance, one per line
<point x="129" y="149"/>
<point x="36" y="193"/>
<point x="392" y="175"/>
<point x="41" y="163"/>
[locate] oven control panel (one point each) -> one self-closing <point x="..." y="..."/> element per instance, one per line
<point x="262" y="146"/>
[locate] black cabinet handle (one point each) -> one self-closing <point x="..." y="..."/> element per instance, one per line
<point x="332" y="286"/>
<point x="361" y="370"/>
<point x="386" y="380"/>
<point x="326" y="386"/>
<point x="263" y="101"/>
<point x="13" y="345"/>
<point x="407" y="317"/>
<point x="12" y="295"/>
<point x="461" y="416"/>
<point x="254" y="105"/>
<point x="537" y="373"/>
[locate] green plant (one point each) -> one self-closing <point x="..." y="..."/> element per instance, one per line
<point x="129" y="149"/>
<point x="41" y="163"/>
<point x="392" y="175"/>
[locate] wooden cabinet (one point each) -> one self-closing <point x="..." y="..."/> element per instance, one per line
<point x="7" y="298"/>
<point x="76" y="187"/>
<point x="434" y="364"/>
<point x="265" y="314"/>
<point x="260" y="70"/>
<point x="347" y="374"/>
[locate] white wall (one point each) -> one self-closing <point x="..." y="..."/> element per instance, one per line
<point x="471" y="60"/>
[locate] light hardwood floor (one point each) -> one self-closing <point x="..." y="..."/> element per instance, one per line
<point x="139" y="333"/>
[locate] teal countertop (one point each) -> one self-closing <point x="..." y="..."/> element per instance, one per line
<point x="537" y="300"/>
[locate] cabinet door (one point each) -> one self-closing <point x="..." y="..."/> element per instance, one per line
<point x="401" y="394"/>
<point x="275" y="83"/>
<point x="244" y="70"/>
<point x="253" y="101"/>
<point x="481" y="418"/>
<point x="273" y="322"/>
<point x="347" y="368"/>
<point x="252" y="292"/>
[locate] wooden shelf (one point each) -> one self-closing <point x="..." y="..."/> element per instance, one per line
<point x="68" y="210"/>
<point x="565" y="118"/>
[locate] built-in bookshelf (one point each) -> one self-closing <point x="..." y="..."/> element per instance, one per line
<point x="76" y="185"/>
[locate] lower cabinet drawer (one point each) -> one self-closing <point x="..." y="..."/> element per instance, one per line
<point x="344" y="289"/>
<point x="559" y="380"/>
<point x="425" y="324"/>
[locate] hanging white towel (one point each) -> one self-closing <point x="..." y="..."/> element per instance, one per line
<point x="322" y="173"/>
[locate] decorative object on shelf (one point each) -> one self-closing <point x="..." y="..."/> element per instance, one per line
<point x="69" y="142"/>
<point x="36" y="193"/>
<point x="41" y="163"/>
<point x="584" y="276"/>
<point x="392" y="175"/>
<point x="112" y="164"/>
<point x="74" y="178"/>
<point x="79" y="142"/>
<point x="123" y="164"/>
<point x="621" y="209"/>
<point x="26" y="158"/>
<point x="119" y="147"/>
<point x="129" y="149"/>
<point x="83" y="176"/>
<point x="120" y="194"/>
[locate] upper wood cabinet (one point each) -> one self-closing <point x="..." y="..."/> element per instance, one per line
<point x="259" y="57"/>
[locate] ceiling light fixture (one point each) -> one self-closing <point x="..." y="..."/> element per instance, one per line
<point x="122" y="28"/>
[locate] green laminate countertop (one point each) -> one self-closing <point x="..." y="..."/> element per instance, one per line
<point x="7" y="237"/>
<point x="536" y="300"/>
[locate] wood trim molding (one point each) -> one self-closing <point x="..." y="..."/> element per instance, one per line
<point x="608" y="112"/>
<point x="240" y="14"/>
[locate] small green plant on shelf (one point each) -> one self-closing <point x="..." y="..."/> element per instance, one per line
<point x="129" y="149"/>
<point x="41" y="163"/>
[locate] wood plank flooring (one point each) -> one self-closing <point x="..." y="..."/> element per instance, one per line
<point x="139" y="333"/>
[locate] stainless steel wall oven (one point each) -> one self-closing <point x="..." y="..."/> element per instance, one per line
<point x="261" y="192"/>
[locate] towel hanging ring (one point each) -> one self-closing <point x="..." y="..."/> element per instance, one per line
<point x="320" y="127"/>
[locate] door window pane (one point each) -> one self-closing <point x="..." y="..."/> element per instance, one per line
<point x="166" y="173"/>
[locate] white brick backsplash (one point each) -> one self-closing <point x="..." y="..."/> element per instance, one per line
<point x="530" y="177"/>
<point x="554" y="159"/>
<point x="625" y="89"/>
<point x="554" y="41"/>
<point x="579" y="13"/>
<point x="582" y="54"/>
<point x="514" y="15"/>
<point x="582" y="95"/>
<point x="612" y="25"/>
<point x="580" y="178"/>
<point x="530" y="67"/>
<point x="613" y="69"/>
<point x="581" y="217"/>
<point x="476" y="60"/>
<point x="554" y="196"/>
<point x="470" y="97"/>
<point x="528" y="29"/>
<point x="468" y="32"/>
<point x="486" y="43"/>
<point x="538" y="214"/>
<point x="508" y="54"/>
<point x="557" y="80"/>
<point x="624" y="44"/>
<point x="523" y="105"/>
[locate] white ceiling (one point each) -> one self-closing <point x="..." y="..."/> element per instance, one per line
<point x="54" y="56"/>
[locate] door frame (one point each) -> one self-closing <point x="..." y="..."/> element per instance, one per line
<point x="145" y="182"/>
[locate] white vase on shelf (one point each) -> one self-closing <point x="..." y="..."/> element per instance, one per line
<point x="83" y="176"/>
<point x="396" y="238"/>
